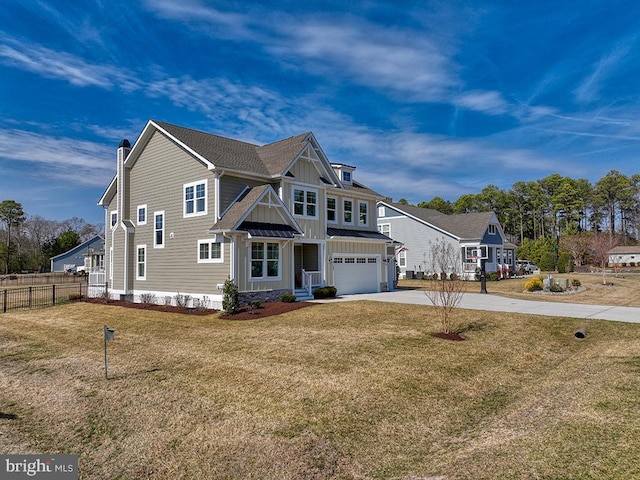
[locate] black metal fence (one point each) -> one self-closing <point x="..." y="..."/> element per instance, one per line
<point x="40" y="296"/>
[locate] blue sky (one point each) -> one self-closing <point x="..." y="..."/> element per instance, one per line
<point x="425" y="98"/>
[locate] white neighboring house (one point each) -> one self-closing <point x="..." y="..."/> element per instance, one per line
<point x="624" y="256"/>
<point x="416" y="228"/>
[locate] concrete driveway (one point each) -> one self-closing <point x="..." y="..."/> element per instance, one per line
<point x="495" y="303"/>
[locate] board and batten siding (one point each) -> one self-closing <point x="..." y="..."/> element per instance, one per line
<point x="244" y="282"/>
<point x="157" y="180"/>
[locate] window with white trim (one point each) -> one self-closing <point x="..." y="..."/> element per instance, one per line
<point x="492" y="229"/>
<point x="209" y="251"/>
<point x="346" y="176"/>
<point x="141" y="262"/>
<point x="402" y="258"/>
<point x="380" y="211"/>
<point x="385" y="229"/>
<point x="195" y="198"/>
<point x="142" y="215"/>
<point x="305" y="202"/>
<point x="265" y="260"/>
<point x="363" y="214"/>
<point x="347" y="210"/>
<point x="114" y="218"/>
<point x="332" y="209"/>
<point x="158" y="229"/>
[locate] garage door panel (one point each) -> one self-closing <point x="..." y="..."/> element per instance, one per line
<point x="356" y="274"/>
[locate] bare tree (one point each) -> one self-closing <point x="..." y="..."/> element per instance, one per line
<point x="446" y="283"/>
<point x="599" y="248"/>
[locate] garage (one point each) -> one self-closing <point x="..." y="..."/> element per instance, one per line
<point x="356" y="273"/>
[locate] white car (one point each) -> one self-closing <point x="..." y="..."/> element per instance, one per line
<point x="526" y="266"/>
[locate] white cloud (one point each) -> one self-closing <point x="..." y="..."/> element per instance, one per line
<point x="77" y="162"/>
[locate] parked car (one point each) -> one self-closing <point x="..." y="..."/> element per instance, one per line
<point x="525" y="266"/>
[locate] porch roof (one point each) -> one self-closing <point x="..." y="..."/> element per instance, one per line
<point x="271" y="230"/>
<point x="352" y="233"/>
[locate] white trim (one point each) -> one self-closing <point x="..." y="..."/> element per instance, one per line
<point x="381" y="229"/>
<point x="265" y="261"/>
<point x="344" y="211"/>
<point x="366" y="213"/>
<point x="194" y="186"/>
<point x="210" y="259"/>
<point x="305" y="203"/>
<point x="141" y="207"/>
<point x="155" y="230"/>
<point x="113" y="224"/>
<point x="144" y="262"/>
<point x="335" y="210"/>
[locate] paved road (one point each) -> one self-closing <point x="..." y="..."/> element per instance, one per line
<point x="496" y="303"/>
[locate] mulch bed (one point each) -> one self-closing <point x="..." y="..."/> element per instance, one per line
<point x="267" y="309"/>
<point x="448" y="336"/>
<point x="153" y="307"/>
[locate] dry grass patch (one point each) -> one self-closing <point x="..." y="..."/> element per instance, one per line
<point x="620" y="290"/>
<point x="342" y="390"/>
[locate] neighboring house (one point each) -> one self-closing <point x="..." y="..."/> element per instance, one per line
<point x="419" y="228"/>
<point x="624" y="256"/>
<point x="187" y="210"/>
<point x="88" y="256"/>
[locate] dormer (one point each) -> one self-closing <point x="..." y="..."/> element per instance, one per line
<point x="344" y="172"/>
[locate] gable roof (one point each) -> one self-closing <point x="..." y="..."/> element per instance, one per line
<point x="234" y="218"/>
<point x="464" y="226"/>
<point x="622" y="249"/>
<point x="97" y="239"/>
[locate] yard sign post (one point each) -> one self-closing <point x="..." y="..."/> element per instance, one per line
<point x="475" y="253"/>
<point x="109" y="335"/>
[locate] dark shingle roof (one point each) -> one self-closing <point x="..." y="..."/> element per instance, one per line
<point x="238" y="209"/>
<point x="345" y="232"/>
<point x="462" y="225"/>
<point x="277" y="156"/>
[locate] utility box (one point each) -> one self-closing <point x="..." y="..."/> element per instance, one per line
<point x="109" y="334"/>
<point x="562" y="283"/>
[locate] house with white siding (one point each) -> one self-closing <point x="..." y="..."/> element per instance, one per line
<point x="188" y="209"/>
<point x="417" y="229"/>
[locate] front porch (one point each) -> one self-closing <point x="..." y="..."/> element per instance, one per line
<point x="307" y="268"/>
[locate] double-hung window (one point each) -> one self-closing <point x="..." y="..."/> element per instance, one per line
<point x="114" y="218"/>
<point x="142" y="214"/>
<point x="305" y="202"/>
<point x="158" y="229"/>
<point x="402" y="258"/>
<point x="332" y="210"/>
<point x="195" y="198"/>
<point x="265" y="260"/>
<point x="385" y="229"/>
<point x="141" y="262"/>
<point x="209" y="251"/>
<point x="347" y="211"/>
<point x="363" y="217"/>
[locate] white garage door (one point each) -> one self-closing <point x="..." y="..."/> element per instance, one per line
<point x="356" y="274"/>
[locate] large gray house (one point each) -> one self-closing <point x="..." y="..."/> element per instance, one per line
<point x="188" y="209"/>
<point x="417" y="229"/>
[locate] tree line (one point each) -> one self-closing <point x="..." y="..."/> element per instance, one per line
<point x="27" y="242"/>
<point x="558" y="215"/>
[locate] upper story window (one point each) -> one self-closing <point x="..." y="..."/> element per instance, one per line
<point x="385" y="229"/>
<point x="195" y="199"/>
<point x="209" y="251"/>
<point x="346" y="176"/>
<point x="114" y="218"/>
<point x="158" y="229"/>
<point x="492" y="229"/>
<point x="380" y="212"/>
<point x="142" y="215"/>
<point x="305" y="202"/>
<point x="347" y="210"/>
<point x="363" y="215"/>
<point x="332" y="210"/>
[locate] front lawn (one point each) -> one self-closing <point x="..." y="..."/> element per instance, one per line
<point x="354" y="390"/>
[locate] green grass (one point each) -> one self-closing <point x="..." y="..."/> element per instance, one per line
<point x="356" y="390"/>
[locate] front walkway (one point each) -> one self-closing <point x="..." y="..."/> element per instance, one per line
<point x="496" y="303"/>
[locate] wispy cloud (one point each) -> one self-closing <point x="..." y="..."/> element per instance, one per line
<point x="77" y="162"/>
